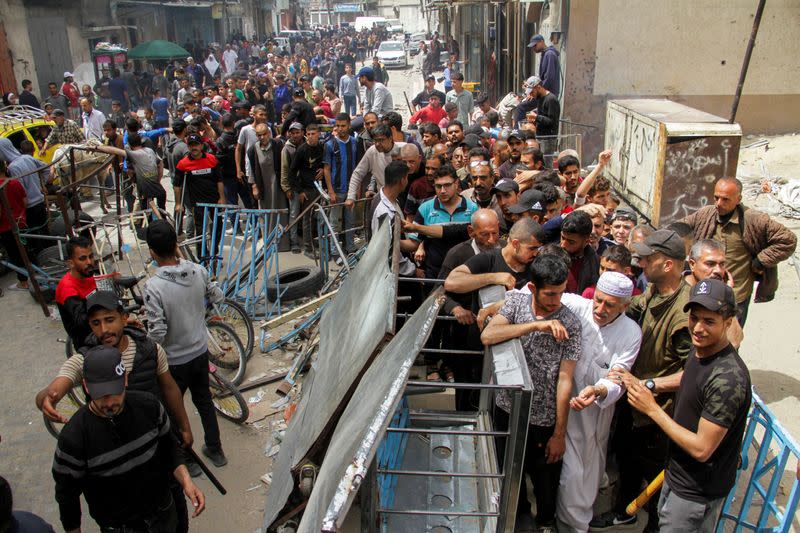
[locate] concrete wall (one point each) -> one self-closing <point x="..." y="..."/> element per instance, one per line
<point x="684" y="50"/>
<point x="12" y="13"/>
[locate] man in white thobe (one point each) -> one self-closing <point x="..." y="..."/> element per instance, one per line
<point x="609" y="339"/>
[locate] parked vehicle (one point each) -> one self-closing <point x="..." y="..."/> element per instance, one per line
<point x="24" y="123"/>
<point x="394" y="26"/>
<point x="414" y="40"/>
<point x="392" y="54"/>
<point x="367" y="23"/>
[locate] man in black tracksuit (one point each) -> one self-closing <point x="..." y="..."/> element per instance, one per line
<point x="307" y="168"/>
<point x="118" y="451"/>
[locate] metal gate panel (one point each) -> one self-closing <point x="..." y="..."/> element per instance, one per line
<point x="51" y="50"/>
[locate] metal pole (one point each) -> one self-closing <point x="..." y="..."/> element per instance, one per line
<point x="746" y="62"/>
<point x="22" y="251"/>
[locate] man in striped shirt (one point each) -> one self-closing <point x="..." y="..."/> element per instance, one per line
<point x="119" y="453"/>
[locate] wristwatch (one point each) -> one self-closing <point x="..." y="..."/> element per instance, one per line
<point x="650" y="384"/>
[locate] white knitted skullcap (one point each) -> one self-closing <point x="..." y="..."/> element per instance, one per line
<point x="615" y="284"/>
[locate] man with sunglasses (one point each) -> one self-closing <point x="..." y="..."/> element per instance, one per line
<point x="483" y="182"/>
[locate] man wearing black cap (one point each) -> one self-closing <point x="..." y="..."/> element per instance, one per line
<point x="516" y="143"/>
<point x="709" y="418"/>
<point x="301" y="111"/>
<point x="623" y="221"/>
<point x="529" y="204"/>
<point x="507" y="194"/>
<point x="423" y="98"/>
<point x="118" y="451"/>
<point x="200" y="174"/>
<point x="665" y="346"/>
<point x="549" y="68"/>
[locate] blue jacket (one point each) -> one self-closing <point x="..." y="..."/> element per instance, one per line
<point x="550" y="70"/>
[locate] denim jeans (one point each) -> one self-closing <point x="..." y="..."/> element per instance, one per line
<point x="349" y="104"/>
<point x="336" y="221"/>
<point x="294" y="210"/>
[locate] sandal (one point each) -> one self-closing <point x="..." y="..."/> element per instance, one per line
<point x="16" y="287"/>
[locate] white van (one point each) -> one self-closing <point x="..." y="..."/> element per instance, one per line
<point x="367" y="23"/>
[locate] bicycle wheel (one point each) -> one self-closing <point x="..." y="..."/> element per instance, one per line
<point x="227" y="399"/>
<point x="67" y="407"/>
<point x="234" y="315"/>
<point x="226" y="351"/>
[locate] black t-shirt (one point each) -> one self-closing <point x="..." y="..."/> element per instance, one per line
<point x="716" y="388"/>
<point x="493" y="261"/>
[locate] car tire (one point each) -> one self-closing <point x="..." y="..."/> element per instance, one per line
<point x="295" y="283"/>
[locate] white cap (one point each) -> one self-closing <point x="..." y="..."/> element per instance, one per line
<point x="615" y="284"/>
<point x="68" y="74"/>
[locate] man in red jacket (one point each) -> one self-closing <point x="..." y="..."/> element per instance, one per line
<point x="432" y="112"/>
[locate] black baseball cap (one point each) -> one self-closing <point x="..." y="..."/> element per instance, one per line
<point x="298" y="92"/>
<point x="471" y="141"/>
<point x="194" y="139"/>
<point x="662" y="241"/>
<point x="104" y="300"/>
<point x="625" y="214"/>
<point x="516" y="134"/>
<point x="103" y="371"/>
<point x="711" y="293"/>
<point x="530" y="200"/>
<point x="506" y="185"/>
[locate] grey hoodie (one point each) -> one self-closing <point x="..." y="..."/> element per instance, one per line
<point x="175" y="301"/>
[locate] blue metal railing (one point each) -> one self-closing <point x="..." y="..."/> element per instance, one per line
<point x="764" y="475"/>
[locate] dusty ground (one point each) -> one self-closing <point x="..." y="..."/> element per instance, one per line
<point x="30" y="354"/>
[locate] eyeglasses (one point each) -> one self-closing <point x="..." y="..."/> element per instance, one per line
<point x="441" y="186"/>
<point x="476" y="164"/>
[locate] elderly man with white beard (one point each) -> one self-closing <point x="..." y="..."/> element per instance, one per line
<point x="609" y="340"/>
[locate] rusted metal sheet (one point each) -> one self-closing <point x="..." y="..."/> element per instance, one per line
<point x="364" y="421"/>
<point x="350" y="329"/>
<point x="667" y="156"/>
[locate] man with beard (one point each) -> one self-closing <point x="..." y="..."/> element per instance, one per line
<point x="754" y="242"/>
<point x="483" y="182"/>
<point x="609" y="340"/>
<point x="373" y="163"/>
<point x="665" y="346"/>
<point x="516" y="143"/>
<point x="569" y="170"/>
<point x="447" y="208"/>
<point x="550" y="335"/>
<point x="118" y="452"/>
<point x="707" y="261"/>
<point x="507" y="194"/>
<point x="148" y="371"/>
<point x="287" y="157"/>
<point x="422" y="189"/>
<point x="74" y="287"/>
<point x="455" y="133"/>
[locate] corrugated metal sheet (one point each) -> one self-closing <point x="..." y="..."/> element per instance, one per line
<point x="350" y="329"/>
<point x="364" y="421"/>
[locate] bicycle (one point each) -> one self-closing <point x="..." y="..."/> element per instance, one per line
<point x="225" y="347"/>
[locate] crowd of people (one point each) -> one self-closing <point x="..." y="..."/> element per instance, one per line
<point x="630" y="332"/>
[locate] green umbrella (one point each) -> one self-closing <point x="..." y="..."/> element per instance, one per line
<point x="157" y="50"/>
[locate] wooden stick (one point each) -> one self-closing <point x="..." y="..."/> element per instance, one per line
<point x="646" y="494"/>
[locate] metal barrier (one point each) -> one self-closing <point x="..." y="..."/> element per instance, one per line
<point x="244" y="267"/>
<point x="764" y="473"/>
<point x="552" y="145"/>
